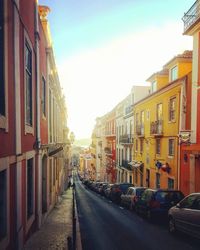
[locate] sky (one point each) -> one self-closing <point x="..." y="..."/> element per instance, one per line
<point x="104" y="47"/>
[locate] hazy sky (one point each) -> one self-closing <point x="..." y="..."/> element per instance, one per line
<point x="104" y="47"/>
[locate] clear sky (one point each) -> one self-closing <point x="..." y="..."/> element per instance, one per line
<point x="104" y="47"/>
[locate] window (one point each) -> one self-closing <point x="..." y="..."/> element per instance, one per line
<point x="43" y="96"/>
<point x="28" y="84"/>
<point x="171" y="147"/>
<point x="159" y="112"/>
<point x="147" y="177"/>
<point x="137" y="119"/>
<point x="29" y="188"/>
<point x="188" y="202"/>
<point x="50" y="117"/>
<point x="153" y="86"/>
<point x="174" y="73"/>
<point x="148" y="115"/>
<point x="172" y="106"/>
<point x="158" y="146"/>
<point x="141" y="145"/>
<point x="142" y="122"/>
<point x="3" y="204"/>
<point x="157" y="180"/>
<point x="170" y="183"/>
<point x="136" y="145"/>
<point x="142" y="117"/>
<point x="2" y="83"/>
<point x="136" y="176"/>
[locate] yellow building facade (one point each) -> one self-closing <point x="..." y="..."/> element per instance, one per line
<point x="157" y="125"/>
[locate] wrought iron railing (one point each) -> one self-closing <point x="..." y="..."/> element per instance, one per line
<point x="125" y="164"/>
<point x="126" y="139"/>
<point x="191" y="16"/>
<point x="156" y="127"/>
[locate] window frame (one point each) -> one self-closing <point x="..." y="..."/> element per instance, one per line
<point x="29" y="128"/>
<point x="173" y="76"/>
<point x="172" y="111"/>
<point x="158" y="176"/>
<point x="4" y="165"/>
<point x="44" y="98"/>
<point x="159" y="111"/>
<point x="158" y="152"/>
<point x="141" y="146"/>
<point x="4" y="116"/>
<point x="153" y="86"/>
<point x="30" y="220"/>
<point x="136" y="145"/>
<point x="169" y="183"/>
<point x="171" y="152"/>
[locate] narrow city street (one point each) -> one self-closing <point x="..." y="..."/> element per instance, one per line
<point x="105" y="225"/>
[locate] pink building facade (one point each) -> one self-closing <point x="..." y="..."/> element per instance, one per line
<point x="32" y="166"/>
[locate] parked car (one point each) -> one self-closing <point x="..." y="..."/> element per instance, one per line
<point x="102" y="188"/>
<point x="157" y="202"/>
<point x="185" y="216"/>
<point x="132" y="195"/>
<point x="108" y="190"/>
<point x="117" y="190"/>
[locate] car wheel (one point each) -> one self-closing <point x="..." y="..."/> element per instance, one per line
<point x="171" y="226"/>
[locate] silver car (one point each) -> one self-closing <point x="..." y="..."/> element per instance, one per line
<point x="185" y="216"/>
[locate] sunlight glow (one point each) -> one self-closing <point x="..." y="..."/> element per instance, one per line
<point x="98" y="79"/>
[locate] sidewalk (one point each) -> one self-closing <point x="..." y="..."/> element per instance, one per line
<point x="57" y="228"/>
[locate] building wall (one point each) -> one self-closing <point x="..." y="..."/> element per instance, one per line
<point x="148" y="155"/>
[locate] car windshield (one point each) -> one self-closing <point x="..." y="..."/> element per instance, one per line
<point x="124" y="187"/>
<point x="139" y="191"/>
<point x="169" y="196"/>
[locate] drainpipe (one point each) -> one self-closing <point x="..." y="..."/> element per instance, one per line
<point x="181" y="127"/>
<point x="38" y="139"/>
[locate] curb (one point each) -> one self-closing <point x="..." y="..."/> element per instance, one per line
<point x="78" y="233"/>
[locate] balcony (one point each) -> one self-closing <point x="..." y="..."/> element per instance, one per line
<point x="126" y="139"/>
<point x="126" y="165"/>
<point x="108" y="151"/>
<point x="128" y="110"/>
<point x="140" y="130"/>
<point x="110" y="133"/>
<point x="156" y="128"/>
<point x="191" y="16"/>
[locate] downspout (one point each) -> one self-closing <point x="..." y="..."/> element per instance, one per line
<point x="181" y="127"/>
<point x="38" y="139"/>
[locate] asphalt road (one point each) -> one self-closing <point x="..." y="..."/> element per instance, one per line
<point x="107" y="226"/>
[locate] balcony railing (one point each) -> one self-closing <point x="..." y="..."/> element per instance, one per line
<point x="126" y="139"/>
<point x="108" y="151"/>
<point x="140" y="129"/>
<point x="191" y="16"/>
<point x="110" y="133"/>
<point x="128" y="109"/>
<point x="126" y="165"/>
<point x="156" y="128"/>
